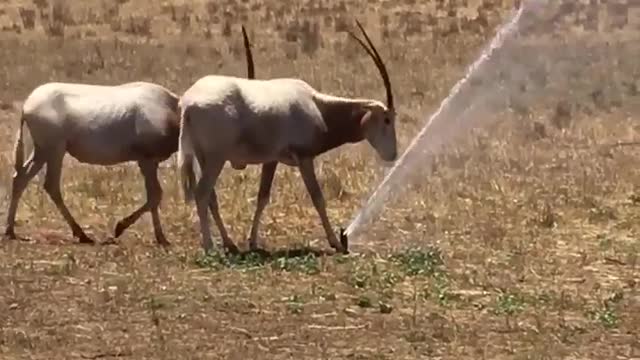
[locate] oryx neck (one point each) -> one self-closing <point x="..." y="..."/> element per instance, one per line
<point x="343" y="117"/>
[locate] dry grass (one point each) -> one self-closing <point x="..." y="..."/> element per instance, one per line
<point x="522" y="244"/>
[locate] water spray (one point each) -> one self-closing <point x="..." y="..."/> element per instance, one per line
<point x="376" y="200"/>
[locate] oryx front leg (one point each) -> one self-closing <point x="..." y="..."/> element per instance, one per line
<point x="309" y="177"/>
<point x="149" y="170"/>
<point x="20" y="181"/>
<point x="206" y="199"/>
<point x="52" y="187"/>
<point x="266" y="180"/>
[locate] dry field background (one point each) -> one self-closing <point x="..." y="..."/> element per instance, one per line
<point x="522" y="243"/>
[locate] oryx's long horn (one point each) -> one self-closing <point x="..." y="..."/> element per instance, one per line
<point x="247" y="48"/>
<point x="378" y="61"/>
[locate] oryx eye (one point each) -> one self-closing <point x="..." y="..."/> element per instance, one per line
<point x="387" y="121"/>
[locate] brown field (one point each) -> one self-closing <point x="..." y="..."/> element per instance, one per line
<point x="521" y="243"/>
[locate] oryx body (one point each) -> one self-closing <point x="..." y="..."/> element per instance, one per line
<point x="269" y="121"/>
<point x="99" y="125"/>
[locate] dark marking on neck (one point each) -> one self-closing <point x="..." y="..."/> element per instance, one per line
<point x="343" y="121"/>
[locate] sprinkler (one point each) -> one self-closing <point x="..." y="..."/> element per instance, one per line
<point x="461" y="99"/>
<point x="344" y="241"/>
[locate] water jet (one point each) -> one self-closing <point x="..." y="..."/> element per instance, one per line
<point x="448" y="110"/>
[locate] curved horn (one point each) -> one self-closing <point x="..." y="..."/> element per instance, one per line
<point x="378" y="61"/>
<point x="247" y="48"/>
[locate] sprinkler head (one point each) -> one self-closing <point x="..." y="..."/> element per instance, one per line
<point x="344" y="241"/>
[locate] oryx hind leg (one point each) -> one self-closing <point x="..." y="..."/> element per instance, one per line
<point x="53" y="189"/>
<point x="21" y="179"/>
<point x="149" y="170"/>
<point x="207" y="200"/>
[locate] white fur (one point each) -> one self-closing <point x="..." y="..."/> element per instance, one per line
<point x="100" y="125"/>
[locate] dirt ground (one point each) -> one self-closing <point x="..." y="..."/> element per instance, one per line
<point x="520" y="241"/>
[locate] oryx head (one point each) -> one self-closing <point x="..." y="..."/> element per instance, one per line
<point x="378" y="122"/>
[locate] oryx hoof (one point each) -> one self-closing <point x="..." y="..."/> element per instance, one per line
<point x="207" y="250"/>
<point x="253" y="245"/>
<point x="83" y="238"/>
<point x="120" y="228"/>
<point x="163" y="242"/>
<point x="9" y="234"/>
<point x="340" y="247"/>
<point x="230" y="248"/>
<point x="341" y="250"/>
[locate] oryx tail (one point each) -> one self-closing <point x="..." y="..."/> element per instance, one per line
<point x="18" y="150"/>
<point x="185" y="157"/>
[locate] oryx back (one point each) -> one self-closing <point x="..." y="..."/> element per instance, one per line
<point x="104" y="124"/>
<point x="252" y="121"/>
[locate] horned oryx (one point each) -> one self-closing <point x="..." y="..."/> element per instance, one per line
<point x="225" y="118"/>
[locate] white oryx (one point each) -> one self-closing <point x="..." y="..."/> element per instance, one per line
<point x="99" y="125"/>
<point x="264" y="122"/>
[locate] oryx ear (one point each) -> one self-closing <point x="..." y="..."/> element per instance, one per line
<point x="365" y="118"/>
